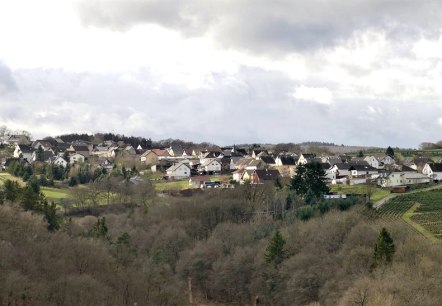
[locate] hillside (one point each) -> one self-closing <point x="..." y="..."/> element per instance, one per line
<point x="146" y="256"/>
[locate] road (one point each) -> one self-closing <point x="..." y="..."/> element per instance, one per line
<point x="381" y="202"/>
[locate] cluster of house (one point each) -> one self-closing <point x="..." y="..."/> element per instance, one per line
<point x="258" y="165"/>
<point x="255" y="165"/>
<point x="57" y="152"/>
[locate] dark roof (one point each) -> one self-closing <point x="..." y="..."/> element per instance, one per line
<point x="80" y="148"/>
<point x="26" y="149"/>
<point x="267" y="175"/>
<point x="309" y="155"/>
<point x="268" y="160"/>
<point x="288" y="160"/>
<point x="422" y="160"/>
<point x="407" y="169"/>
<point x="325" y="166"/>
<point x="436" y="167"/>
<point x="240" y="151"/>
<point x="359" y="167"/>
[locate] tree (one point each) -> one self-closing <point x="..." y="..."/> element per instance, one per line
<point x="309" y="179"/>
<point x="360" y="154"/>
<point x="389" y="152"/>
<point x="383" y="249"/>
<point x="51" y="217"/>
<point x="11" y="190"/>
<point x="100" y="228"/>
<point x="40" y="153"/>
<point x="275" y="252"/>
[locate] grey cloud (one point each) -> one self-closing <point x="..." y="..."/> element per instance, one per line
<point x="7" y="83"/>
<point x="263" y="26"/>
<point x="260" y="109"/>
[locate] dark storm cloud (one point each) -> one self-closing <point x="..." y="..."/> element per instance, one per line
<point x="264" y="26"/>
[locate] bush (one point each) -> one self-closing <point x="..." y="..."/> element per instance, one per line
<point x="305" y="212"/>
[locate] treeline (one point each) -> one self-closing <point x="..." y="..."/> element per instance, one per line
<point x="318" y="143"/>
<point x="146" y="143"/>
<point x="430" y="145"/>
<point x="222" y="242"/>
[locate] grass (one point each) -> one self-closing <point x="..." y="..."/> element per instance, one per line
<point x="56" y="194"/>
<point x="172" y="185"/>
<point x="4" y="176"/>
<point x="377" y="193"/>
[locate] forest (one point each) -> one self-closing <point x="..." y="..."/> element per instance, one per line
<point x="252" y="245"/>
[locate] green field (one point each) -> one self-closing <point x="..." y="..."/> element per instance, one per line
<point x="422" y="210"/>
<point x="172" y="185"/>
<point x="56" y="194"/>
<point x="377" y="193"/>
<point x="6" y="176"/>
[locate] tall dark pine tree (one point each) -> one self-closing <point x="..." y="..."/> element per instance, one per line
<point x="389" y="151"/>
<point x="50" y="215"/>
<point x="275" y="252"/>
<point x="40" y="154"/>
<point x="383" y="249"/>
<point x="309" y="179"/>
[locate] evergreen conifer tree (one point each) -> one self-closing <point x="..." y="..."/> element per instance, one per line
<point x="275" y="252"/>
<point x="383" y="249"/>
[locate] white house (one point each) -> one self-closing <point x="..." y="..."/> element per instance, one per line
<point x="403" y="178"/>
<point x="306" y="158"/>
<point x="58" y="160"/>
<point x="211" y="165"/>
<point x="76" y="159"/>
<point x="237" y="174"/>
<point x="178" y="171"/>
<point x="388" y="160"/>
<point x="433" y="171"/>
<point x="374" y="162"/>
<point x="358" y="170"/>
<point x="23" y="151"/>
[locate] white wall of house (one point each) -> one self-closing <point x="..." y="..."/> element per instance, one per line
<point x="388" y="160"/>
<point x="404" y="178"/>
<point x="437" y="176"/>
<point x="76" y="159"/>
<point x="60" y="162"/>
<point x="180" y="172"/>
<point x="213" y="166"/>
<point x="373" y="161"/>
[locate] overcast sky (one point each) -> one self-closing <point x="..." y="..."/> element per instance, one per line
<point x="357" y="72"/>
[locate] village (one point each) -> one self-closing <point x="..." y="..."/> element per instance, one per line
<point x="220" y="166"/>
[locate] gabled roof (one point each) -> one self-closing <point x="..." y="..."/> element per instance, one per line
<point x="325" y="166"/>
<point x="80" y="148"/>
<point x="240" y="151"/>
<point x="407" y="169"/>
<point x="159" y="152"/>
<point x="267" y="175"/>
<point x="25" y="149"/>
<point x="209" y="161"/>
<point x="422" y="160"/>
<point x="268" y="160"/>
<point x="309" y="155"/>
<point x="435" y="167"/>
<point x="176" y="166"/>
<point x="239" y="171"/>
<point x="288" y="160"/>
<point x="359" y="167"/>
